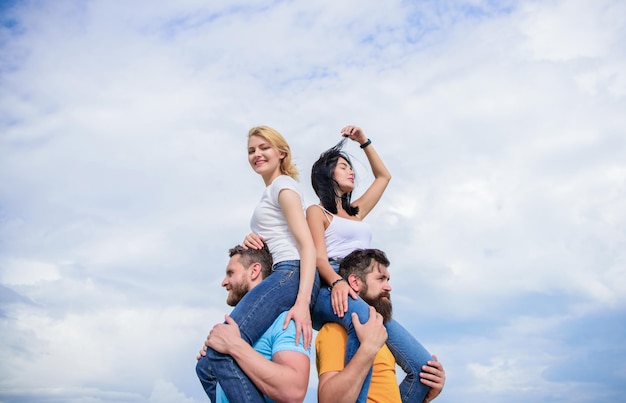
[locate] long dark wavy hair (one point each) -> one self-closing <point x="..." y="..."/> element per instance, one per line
<point x="327" y="188"/>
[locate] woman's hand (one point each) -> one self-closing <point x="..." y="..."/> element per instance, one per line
<point x="253" y="241"/>
<point x="354" y="133"/>
<point x="339" y="297"/>
<point x="301" y="315"/>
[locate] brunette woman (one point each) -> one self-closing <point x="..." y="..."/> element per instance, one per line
<point x="337" y="227"/>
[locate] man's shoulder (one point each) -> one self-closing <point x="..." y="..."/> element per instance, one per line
<point x="277" y="326"/>
<point x="331" y="333"/>
<point x="332" y="328"/>
<point x="330" y="348"/>
<point x="284" y="339"/>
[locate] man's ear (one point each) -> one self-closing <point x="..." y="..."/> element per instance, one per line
<point x="255" y="271"/>
<point x="354" y="282"/>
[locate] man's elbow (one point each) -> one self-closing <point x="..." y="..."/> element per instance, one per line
<point x="298" y="396"/>
<point x="290" y="395"/>
<point x="289" y="392"/>
<point x="335" y="398"/>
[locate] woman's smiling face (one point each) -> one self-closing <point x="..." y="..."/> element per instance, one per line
<point x="263" y="157"/>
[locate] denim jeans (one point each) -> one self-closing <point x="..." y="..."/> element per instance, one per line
<point x="408" y="352"/>
<point x="410" y="356"/>
<point x="254" y="314"/>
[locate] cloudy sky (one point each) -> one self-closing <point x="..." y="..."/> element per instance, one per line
<point x="124" y="180"/>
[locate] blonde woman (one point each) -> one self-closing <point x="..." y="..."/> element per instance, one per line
<point x="279" y="220"/>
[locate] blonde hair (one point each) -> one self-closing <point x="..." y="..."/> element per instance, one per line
<point x="287" y="167"/>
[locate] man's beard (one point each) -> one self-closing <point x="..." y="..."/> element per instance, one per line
<point x="236" y="293"/>
<point x="382" y="305"/>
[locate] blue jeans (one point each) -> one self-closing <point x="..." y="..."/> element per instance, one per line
<point x="254" y="314"/>
<point x="408" y="352"/>
<point x="410" y="356"/>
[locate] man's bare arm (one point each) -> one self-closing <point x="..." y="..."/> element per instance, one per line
<point x="344" y="386"/>
<point x="284" y="379"/>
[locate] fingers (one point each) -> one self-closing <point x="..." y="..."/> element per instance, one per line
<point x="334" y="303"/>
<point x="353" y="132"/>
<point x="253" y="241"/>
<point x="433" y="374"/>
<point x="339" y="299"/>
<point x="355" y="320"/>
<point x="299" y="328"/>
<point x="202" y="352"/>
<point x="308" y="337"/>
<point x="337" y="307"/>
<point x="350" y="129"/>
<point x="306" y="332"/>
<point x="340" y="294"/>
<point x="429" y="383"/>
<point x="353" y="294"/>
<point x="286" y="322"/>
<point x="298" y="334"/>
<point x="376" y="317"/>
<point x="343" y="291"/>
<point x="374" y="314"/>
<point x="434" y="364"/>
<point x="373" y="332"/>
<point x="247" y="243"/>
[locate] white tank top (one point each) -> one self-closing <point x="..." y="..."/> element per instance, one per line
<point x="344" y="235"/>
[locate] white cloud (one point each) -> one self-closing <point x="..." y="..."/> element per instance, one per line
<point x="124" y="348"/>
<point x="124" y="180"/>
<point x="562" y="31"/>
<point x="20" y="272"/>
<point x="166" y="392"/>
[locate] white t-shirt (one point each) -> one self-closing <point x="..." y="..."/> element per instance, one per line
<point x="269" y="221"/>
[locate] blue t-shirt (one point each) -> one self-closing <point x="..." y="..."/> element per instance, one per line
<point x="274" y="340"/>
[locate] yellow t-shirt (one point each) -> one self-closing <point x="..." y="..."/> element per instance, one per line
<point x="330" y="346"/>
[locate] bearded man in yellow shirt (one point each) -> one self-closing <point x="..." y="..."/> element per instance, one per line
<point x="366" y="271"/>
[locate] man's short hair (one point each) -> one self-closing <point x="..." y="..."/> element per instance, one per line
<point x="250" y="256"/>
<point x="359" y="262"/>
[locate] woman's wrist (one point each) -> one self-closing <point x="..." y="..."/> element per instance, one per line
<point x="367" y="143"/>
<point x="301" y="298"/>
<point x="339" y="280"/>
